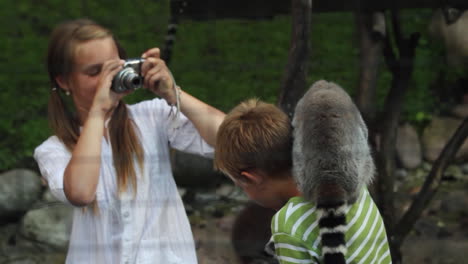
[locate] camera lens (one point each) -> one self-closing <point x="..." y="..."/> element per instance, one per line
<point x="136" y="81"/>
<point x="129" y="77"/>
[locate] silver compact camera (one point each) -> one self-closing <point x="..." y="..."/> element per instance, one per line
<point x="129" y="78"/>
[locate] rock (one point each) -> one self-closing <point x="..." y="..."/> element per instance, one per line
<point x="437" y="134"/>
<point x="48" y="197"/>
<point x="464" y="168"/>
<point x="454" y="172"/>
<point x="19" y="189"/>
<point x="418" y="174"/>
<point x="225" y="189"/>
<point x="427" y="227"/>
<point x="50" y="225"/>
<point x="194" y="171"/>
<point x="408" y="147"/>
<point x="14" y="250"/>
<point x="7" y="233"/>
<point x="455" y="203"/>
<point x="426" y="166"/>
<point x="182" y="191"/>
<point x="446" y="251"/>
<point x="401" y="174"/>
<point x="460" y="111"/>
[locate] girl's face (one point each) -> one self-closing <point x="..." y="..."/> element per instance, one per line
<point x="83" y="81"/>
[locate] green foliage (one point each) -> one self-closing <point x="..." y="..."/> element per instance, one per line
<point x="420" y="101"/>
<point x="221" y="62"/>
<point x="25" y="28"/>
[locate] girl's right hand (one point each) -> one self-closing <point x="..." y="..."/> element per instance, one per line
<point x="105" y="99"/>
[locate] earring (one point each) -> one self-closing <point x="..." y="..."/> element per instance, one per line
<point x="67" y="92"/>
<point x="54" y="88"/>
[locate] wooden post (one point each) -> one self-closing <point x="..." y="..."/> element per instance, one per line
<point x="293" y="83"/>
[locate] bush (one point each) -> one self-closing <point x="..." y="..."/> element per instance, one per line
<point x="221" y="62"/>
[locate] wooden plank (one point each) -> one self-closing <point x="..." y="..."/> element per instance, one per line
<point x="264" y="9"/>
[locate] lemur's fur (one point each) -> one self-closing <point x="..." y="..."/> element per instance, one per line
<point x="331" y="160"/>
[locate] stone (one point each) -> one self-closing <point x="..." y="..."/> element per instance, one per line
<point x="464" y="168"/>
<point x="191" y="170"/>
<point x="460" y="111"/>
<point x="436" y="136"/>
<point x="19" y="190"/>
<point x="454" y="172"/>
<point x="441" y="251"/>
<point x="455" y="203"/>
<point x="49" y="225"/>
<point x="408" y="147"/>
<point x="225" y="189"/>
<point x="48" y="197"/>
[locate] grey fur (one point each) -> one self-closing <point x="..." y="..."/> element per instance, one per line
<point x="330" y="143"/>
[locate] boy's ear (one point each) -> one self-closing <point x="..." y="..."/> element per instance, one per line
<point x="251" y="177"/>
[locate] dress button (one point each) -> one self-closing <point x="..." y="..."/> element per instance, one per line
<point x="126" y="214"/>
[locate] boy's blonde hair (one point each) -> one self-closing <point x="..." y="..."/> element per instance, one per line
<point x="254" y="136"/>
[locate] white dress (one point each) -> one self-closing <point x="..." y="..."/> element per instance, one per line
<point x="149" y="228"/>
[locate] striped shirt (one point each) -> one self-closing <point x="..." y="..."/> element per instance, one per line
<point x="295" y="233"/>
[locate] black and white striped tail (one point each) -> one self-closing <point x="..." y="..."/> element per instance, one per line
<point x="177" y="8"/>
<point x="332" y="225"/>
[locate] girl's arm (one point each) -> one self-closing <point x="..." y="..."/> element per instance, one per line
<point x="158" y="79"/>
<point x="81" y="175"/>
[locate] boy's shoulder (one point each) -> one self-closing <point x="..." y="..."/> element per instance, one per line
<point x="295" y="214"/>
<point x="299" y="213"/>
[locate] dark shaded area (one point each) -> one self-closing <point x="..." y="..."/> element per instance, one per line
<point x="263" y="9"/>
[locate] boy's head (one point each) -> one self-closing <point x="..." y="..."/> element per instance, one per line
<point x="254" y="144"/>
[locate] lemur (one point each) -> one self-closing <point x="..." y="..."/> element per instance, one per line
<point x="176" y="9"/>
<point x="331" y="160"/>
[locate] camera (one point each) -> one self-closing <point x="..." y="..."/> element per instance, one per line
<point x="129" y="78"/>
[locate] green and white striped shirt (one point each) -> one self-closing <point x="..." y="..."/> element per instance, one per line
<point x="295" y="233"/>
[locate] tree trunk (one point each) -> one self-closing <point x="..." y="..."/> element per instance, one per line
<point x="401" y="68"/>
<point x="293" y="83"/>
<point x="371" y="31"/>
<point x="431" y="184"/>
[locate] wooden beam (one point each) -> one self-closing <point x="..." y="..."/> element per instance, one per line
<point x="264" y="9"/>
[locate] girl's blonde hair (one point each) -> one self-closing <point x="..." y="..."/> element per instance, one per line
<point x="64" y="121"/>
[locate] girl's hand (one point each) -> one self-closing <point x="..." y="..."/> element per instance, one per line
<point x="158" y="78"/>
<point x="105" y="99"/>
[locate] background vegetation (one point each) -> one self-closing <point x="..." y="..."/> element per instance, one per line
<point x="221" y="62"/>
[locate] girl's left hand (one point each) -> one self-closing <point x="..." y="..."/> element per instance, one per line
<point x="157" y="77"/>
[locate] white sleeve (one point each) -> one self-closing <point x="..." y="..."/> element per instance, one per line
<point x="52" y="157"/>
<point x="185" y="137"/>
<point x="179" y="130"/>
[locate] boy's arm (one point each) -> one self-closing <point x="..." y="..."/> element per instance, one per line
<point x="290" y="250"/>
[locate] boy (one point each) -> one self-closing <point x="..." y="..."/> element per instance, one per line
<point x="253" y="147"/>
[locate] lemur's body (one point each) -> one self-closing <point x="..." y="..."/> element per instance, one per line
<point x="331" y="160"/>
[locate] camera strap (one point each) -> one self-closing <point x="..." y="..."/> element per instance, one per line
<point x="175" y="119"/>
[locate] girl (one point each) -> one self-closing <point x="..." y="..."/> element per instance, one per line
<point x="111" y="160"/>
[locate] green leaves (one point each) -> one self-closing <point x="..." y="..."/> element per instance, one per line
<point x="221" y="62"/>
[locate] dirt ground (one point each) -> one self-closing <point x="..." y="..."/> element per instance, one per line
<point x="439" y="237"/>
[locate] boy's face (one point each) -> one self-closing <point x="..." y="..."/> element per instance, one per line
<point x="259" y="188"/>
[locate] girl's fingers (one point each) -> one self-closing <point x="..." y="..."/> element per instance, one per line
<point x="151" y="63"/>
<point x="154" y="52"/>
<point x="156" y="69"/>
